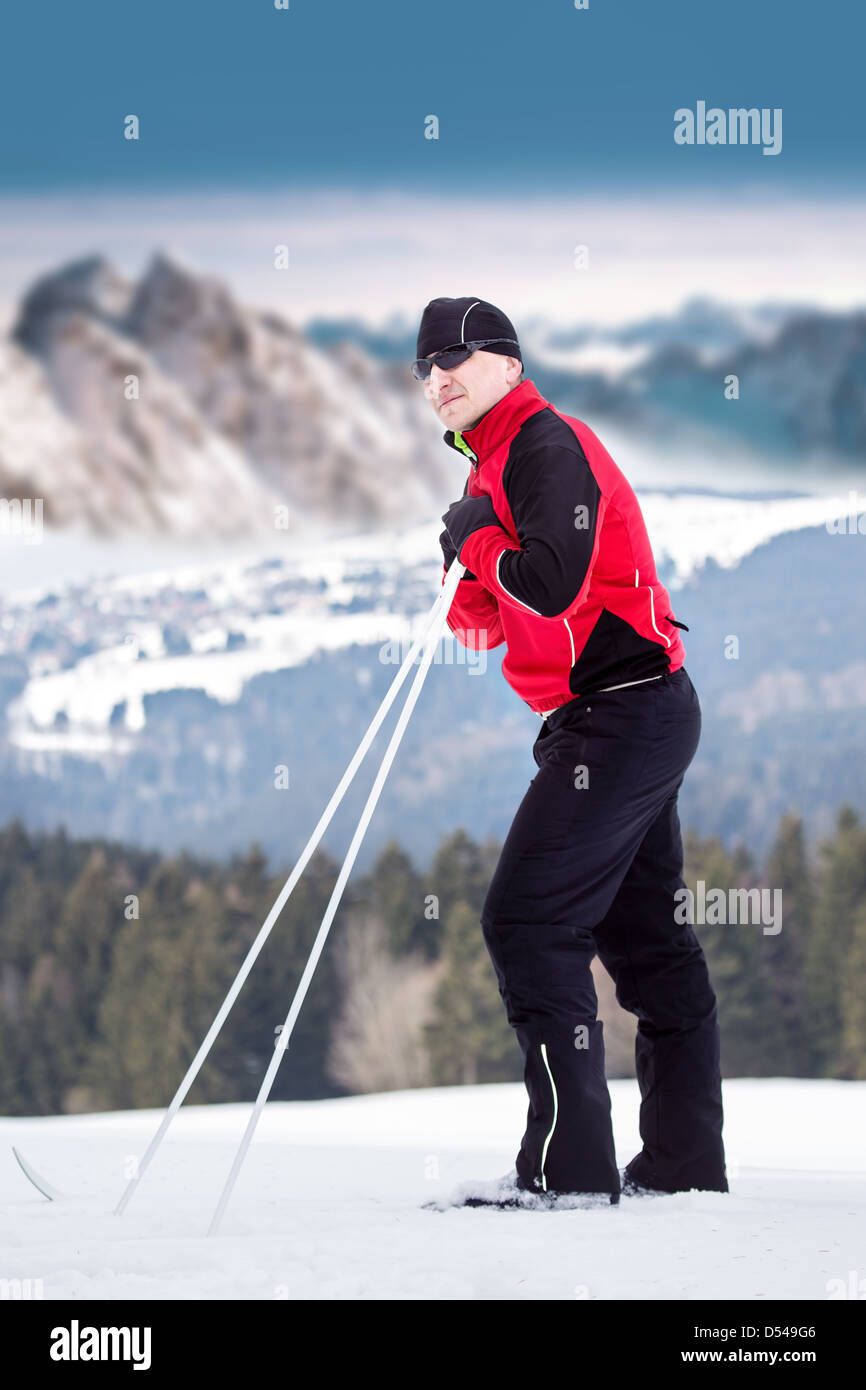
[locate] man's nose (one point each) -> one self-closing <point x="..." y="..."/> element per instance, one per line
<point x="438" y="379"/>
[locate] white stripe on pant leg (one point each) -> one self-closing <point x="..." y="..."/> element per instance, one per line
<point x="555" y="1112"/>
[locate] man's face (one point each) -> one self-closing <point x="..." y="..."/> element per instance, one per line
<point x="461" y="395"/>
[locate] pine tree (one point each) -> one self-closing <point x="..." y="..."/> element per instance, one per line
<point x="851" y="1058"/>
<point x="395" y="892"/>
<point x="731" y="950"/>
<point x="841" y="892"/>
<point x="33" y="994"/>
<point x="461" y="872"/>
<point x="263" y="1004"/>
<point x="168" y="971"/>
<point x="470" y="1039"/>
<point x="781" y="1018"/>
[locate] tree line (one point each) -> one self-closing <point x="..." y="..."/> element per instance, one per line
<point x="114" y="960"/>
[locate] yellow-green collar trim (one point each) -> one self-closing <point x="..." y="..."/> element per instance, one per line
<point x="461" y="444"/>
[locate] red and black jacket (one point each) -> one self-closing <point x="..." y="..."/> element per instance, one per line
<point x="568" y="580"/>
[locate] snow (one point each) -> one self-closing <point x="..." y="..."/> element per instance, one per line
<point x="88" y="692"/>
<point x="609" y="359"/>
<point x="685" y="529"/>
<point x="329" y="1202"/>
<point x="690" y="529"/>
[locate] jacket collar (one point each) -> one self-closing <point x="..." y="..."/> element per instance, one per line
<point x="499" y="423"/>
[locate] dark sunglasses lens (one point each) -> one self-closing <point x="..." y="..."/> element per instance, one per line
<point x="452" y="357"/>
<point x="447" y="358"/>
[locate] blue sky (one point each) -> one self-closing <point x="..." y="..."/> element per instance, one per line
<point x="305" y="127"/>
<point x="536" y="95"/>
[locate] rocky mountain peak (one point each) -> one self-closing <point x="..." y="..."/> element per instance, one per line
<point x="91" y="286"/>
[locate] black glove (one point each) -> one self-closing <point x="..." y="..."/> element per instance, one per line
<point x="449" y="553"/>
<point x="466" y="516"/>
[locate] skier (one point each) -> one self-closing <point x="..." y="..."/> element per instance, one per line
<point x="559" y="568"/>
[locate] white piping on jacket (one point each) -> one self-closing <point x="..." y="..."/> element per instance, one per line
<point x="545" y="712"/>
<point x="642" y="681"/>
<point x="555" y="1113"/>
<point x="512" y="596"/>
<point x="515" y="599"/>
<point x="652" y="613"/>
<point x="653" y="616"/>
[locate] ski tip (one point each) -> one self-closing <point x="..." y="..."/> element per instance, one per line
<point x="32" y="1176"/>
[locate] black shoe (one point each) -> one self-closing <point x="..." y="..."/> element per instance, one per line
<point x="643" y="1186"/>
<point x="632" y="1188"/>
<point x="511" y="1193"/>
<point x="591" y="1198"/>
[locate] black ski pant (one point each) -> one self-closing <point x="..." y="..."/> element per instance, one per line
<point x="591" y="865"/>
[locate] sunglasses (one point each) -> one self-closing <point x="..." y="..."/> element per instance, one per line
<point x="453" y="356"/>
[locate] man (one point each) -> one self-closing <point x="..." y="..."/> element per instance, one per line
<point x="559" y="568"/>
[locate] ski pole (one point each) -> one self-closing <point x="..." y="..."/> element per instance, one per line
<point x="443" y="599"/>
<point x="282" y="1042"/>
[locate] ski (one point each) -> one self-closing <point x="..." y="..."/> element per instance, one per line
<point x="38" y="1182"/>
<point x="503" y="1197"/>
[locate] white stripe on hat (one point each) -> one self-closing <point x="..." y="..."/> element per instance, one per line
<point x="465" y="316"/>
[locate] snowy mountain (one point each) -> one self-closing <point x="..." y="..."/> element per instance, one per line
<point x="185" y="413"/>
<point x="43" y="453"/>
<point x="700" y="323"/>
<point x="69" y="436"/>
<point x="163" y="407"/>
<point x="802" y="393"/>
<point x="802" y="381"/>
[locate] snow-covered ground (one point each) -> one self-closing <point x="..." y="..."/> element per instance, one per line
<point x="329" y="1204"/>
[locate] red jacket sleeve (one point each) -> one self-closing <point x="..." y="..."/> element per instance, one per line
<point x="550" y="570"/>
<point x="474" y="616"/>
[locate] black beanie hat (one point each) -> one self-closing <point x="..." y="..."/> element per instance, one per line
<point x="449" y="321"/>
